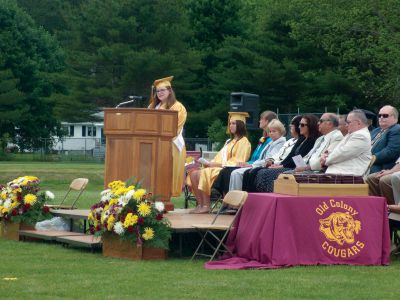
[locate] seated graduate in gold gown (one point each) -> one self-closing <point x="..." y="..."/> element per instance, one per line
<point x="163" y="97"/>
<point x="236" y="150"/>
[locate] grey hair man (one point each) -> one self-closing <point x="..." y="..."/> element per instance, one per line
<point x="353" y="154"/>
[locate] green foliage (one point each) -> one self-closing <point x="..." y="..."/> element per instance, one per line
<point x="29" y="55"/>
<point x="217" y="133"/>
<point x="292" y="53"/>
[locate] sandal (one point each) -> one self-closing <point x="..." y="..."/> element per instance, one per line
<point x="203" y="210"/>
<point x="195" y="210"/>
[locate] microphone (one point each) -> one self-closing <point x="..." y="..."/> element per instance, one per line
<point x="132" y="99"/>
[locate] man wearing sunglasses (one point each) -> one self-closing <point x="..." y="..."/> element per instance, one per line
<point x="385" y="139"/>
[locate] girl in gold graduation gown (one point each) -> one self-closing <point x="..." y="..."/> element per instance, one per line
<point x="163" y="97"/>
<point x="235" y="151"/>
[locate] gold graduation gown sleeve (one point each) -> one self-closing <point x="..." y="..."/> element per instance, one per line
<point x="178" y="157"/>
<point x="236" y="152"/>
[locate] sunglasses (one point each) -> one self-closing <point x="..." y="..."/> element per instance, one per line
<point x="303" y="125"/>
<point x="385" y="116"/>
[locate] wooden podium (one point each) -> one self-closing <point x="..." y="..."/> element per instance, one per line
<point x="139" y="144"/>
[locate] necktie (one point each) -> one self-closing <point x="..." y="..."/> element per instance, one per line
<point x="378" y="137"/>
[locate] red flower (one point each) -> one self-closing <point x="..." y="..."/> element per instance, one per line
<point x="26" y="207"/>
<point x="123" y="219"/>
<point x="140" y="221"/>
<point x="130" y="229"/>
<point x="91" y="230"/>
<point x="14" y="212"/>
<point x="159" y="217"/>
<point x="98" y="227"/>
<point x="19" y="197"/>
<point x="45" y="209"/>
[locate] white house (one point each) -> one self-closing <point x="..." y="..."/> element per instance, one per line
<point x="83" y="136"/>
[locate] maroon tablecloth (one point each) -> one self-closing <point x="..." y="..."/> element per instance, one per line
<point x="277" y="230"/>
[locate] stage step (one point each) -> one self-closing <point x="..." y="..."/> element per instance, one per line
<point x="82" y="240"/>
<point x="48" y="235"/>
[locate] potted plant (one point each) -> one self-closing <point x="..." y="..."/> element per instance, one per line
<point x="22" y="205"/>
<point x="131" y="223"/>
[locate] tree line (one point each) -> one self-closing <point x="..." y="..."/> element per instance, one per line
<point x="61" y="60"/>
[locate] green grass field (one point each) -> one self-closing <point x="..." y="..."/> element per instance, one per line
<point x="35" y="270"/>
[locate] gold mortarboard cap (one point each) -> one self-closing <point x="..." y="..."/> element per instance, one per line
<point x="163" y="82"/>
<point x="237" y="116"/>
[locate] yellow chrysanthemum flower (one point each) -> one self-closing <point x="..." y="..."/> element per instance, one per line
<point x="131" y="187"/>
<point x="30" y="199"/>
<point x="4" y="195"/>
<point x="112" y="202"/>
<point x="121" y="191"/>
<point x="144" y="209"/>
<point x="130" y="220"/>
<point x="25" y="180"/>
<point x="139" y="194"/>
<point x="90" y="217"/>
<point x="116" y="185"/>
<point x="111" y="222"/>
<point x="148" y="233"/>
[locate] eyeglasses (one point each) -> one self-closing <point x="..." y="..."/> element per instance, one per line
<point x="303" y="125"/>
<point x="385" y="116"/>
<point x="322" y="120"/>
<point x="161" y="91"/>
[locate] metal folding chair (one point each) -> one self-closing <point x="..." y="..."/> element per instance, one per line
<point x="78" y="185"/>
<point x="233" y="199"/>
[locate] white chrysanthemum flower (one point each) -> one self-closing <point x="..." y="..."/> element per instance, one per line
<point x="49" y="195"/>
<point x="122" y="201"/>
<point x="159" y="206"/>
<point x="119" y="228"/>
<point x="106" y="197"/>
<point x="107" y="191"/>
<point x="129" y="194"/>
<point x="7" y="203"/>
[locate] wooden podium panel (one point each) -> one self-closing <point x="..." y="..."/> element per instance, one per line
<point x="139" y="145"/>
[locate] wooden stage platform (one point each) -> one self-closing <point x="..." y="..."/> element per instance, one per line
<point x="180" y="219"/>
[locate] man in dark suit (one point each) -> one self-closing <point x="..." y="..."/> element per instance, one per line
<point x="385" y="139"/>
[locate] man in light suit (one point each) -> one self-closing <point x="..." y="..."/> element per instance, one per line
<point x="353" y="154"/>
<point x="330" y="138"/>
<point x="386" y="139"/>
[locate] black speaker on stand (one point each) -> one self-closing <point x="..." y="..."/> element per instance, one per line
<point x="246" y="102"/>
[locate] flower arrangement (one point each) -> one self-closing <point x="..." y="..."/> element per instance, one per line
<point x="21" y="201"/>
<point x="132" y="214"/>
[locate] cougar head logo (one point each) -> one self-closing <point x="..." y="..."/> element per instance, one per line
<point x="340" y="227"/>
